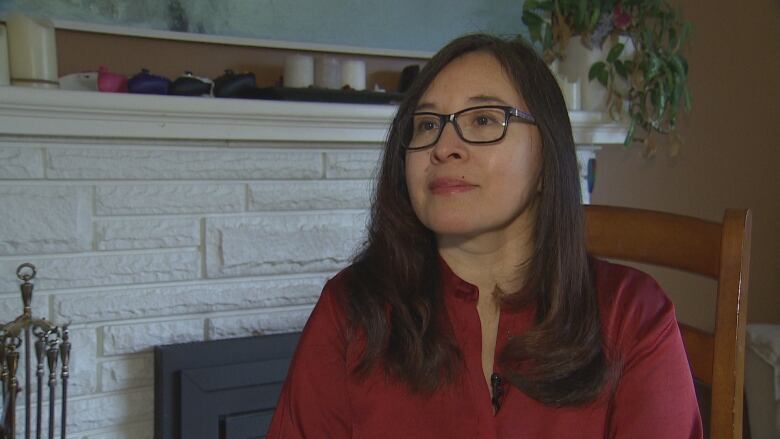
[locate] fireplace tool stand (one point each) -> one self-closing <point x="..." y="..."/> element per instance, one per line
<point x="51" y="346"/>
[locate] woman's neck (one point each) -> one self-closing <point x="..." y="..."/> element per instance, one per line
<point x="495" y="262"/>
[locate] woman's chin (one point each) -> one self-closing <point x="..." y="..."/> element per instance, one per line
<point x="455" y="228"/>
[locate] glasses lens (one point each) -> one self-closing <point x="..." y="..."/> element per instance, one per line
<point x="482" y="124"/>
<point x="425" y="130"/>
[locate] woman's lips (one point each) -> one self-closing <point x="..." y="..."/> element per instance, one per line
<point x="449" y="185"/>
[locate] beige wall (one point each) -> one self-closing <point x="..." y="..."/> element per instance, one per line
<point x="731" y="155"/>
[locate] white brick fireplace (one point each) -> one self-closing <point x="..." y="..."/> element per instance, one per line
<point x="158" y="220"/>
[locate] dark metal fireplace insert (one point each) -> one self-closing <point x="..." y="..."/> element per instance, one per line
<point x="222" y="389"/>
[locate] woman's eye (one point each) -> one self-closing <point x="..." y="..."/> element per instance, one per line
<point x="484" y="120"/>
<point x="427" y="125"/>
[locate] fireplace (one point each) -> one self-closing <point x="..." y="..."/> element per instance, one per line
<point x="158" y="220"/>
<point x="223" y="389"/>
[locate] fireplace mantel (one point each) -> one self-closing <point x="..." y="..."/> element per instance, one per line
<point x="61" y="113"/>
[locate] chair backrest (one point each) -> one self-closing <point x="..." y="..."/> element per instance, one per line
<point x="717" y="250"/>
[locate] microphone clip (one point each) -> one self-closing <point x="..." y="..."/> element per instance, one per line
<point x="497" y="387"/>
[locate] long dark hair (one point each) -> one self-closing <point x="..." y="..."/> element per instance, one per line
<point x="394" y="292"/>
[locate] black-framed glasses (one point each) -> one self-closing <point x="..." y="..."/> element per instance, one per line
<point x="475" y="125"/>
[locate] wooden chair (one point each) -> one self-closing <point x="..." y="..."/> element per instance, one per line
<point x="717" y="250"/>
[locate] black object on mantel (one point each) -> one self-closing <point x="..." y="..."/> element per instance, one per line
<point x="233" y="85"/>
<point x="220" y="389"/>
<point x="313" y="94"/>
<point x="190" y="85"/>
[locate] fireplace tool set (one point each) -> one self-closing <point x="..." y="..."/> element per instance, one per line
<point x="51" y="346"/>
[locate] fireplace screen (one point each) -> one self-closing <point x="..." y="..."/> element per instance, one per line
<point x="224" y="389"/>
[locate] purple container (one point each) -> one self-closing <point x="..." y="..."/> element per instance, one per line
<point x="146" y="83"/>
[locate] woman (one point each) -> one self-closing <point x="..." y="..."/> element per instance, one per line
<point x="474" y="311"/>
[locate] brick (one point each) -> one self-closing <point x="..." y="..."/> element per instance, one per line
<point x="127" y="373"/>
<point x="83" y="373"/>
<point x="273" y="322"/>
<point x="44" y="219"/>
<point x="20" y="163"/>
<point x="146" y="233"/>
<point x="279" y="244"/>
<point x="91" y="270"/>
<point x="139" y="430"/>
<point x="104" y="411"/>
<point x="180" y="163"/>
<point x="140" y="302"/>
<point x="11" y="306"/>
<point x="139" y="337"/>
<point x="150" y="198"/>
<point x="309" y="195"/>
<point x="352" y="164"/>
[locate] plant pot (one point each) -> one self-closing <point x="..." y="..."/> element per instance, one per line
<point x="575" y="67"/>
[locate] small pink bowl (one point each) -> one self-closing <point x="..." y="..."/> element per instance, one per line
<point x="111" y="82"/>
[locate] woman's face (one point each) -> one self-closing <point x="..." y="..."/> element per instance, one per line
<point x="462" y="190"/>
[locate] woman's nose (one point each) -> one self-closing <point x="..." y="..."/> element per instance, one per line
<point x="450" y="146"/>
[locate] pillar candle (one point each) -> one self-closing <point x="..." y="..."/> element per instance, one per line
<point x="5" y="74"/>
<point x="353" y="74"/>
<point x="327" y="73"/>
<point x="32" y="51"/>
<point x="571" y="92"/>
<point x="574" y="95"/>
<point x="298" y="71"/>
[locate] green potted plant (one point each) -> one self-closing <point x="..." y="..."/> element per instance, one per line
<point x="641" y="64"/>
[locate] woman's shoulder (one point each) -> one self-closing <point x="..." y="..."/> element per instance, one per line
<point x="617" y="283"/>
<point x="630" y="299"/>
<point x="335" y="290"/>
<point x="328" y="320"/>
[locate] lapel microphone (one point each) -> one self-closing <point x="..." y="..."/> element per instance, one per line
<point x="497" y="386"/>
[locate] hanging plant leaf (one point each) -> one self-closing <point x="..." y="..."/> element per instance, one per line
<point x="654" y="66"/>
<point x="530" y="4"/>
<point x="620" y="68"/>
<point x="688" y="99"/>
<point x="615" y="52"/>
<point x="582" y="10"/>
<point x="598" y="71"/>
<point x="594" y="18"/>
<point x="532" y="19"/>
<point x="630" y="133"/>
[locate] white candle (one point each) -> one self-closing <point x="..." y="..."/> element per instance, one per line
<point x="5" y="74"/>
<point x="298" y="71"/>
<point x="353" y="74"/>
<point x="327" y="73"/>
<point x="32" y="51"/>
<point x="575" y="95"/>
<point x="571" y="92"/>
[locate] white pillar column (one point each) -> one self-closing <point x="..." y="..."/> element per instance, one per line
<point x="584" y="154"/>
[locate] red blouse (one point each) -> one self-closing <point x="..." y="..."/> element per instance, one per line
<point x="654" y="397"/>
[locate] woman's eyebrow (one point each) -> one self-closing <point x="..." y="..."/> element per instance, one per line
<point x="487" y="99"/>
<point x="478" y="99"/>
<point x="425" y="106"/>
